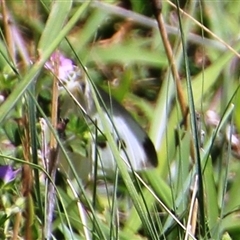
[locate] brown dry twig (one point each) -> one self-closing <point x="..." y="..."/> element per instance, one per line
<point x="157" y="8"/>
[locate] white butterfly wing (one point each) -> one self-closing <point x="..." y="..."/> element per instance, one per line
<point x="135" y="147"/>
<point x="130" y="148"/>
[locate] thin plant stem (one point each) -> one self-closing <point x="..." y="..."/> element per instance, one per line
<point x="191" y="224"/>
<point x="7" y="29"/>
<point x="168" y="49"/>
<point x="206" y="29"/>
<point x="53" y="157"/>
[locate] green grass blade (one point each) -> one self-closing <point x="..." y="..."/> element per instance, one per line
<point x="56" y="20"/>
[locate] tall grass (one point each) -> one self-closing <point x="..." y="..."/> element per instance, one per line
<point x="193" y="193"/>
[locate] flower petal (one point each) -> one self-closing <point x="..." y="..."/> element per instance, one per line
<point x="7" y="174"/>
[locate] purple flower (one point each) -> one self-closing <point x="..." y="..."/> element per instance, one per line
<point x="65" y="65"/>
<point x="7" y="174"/>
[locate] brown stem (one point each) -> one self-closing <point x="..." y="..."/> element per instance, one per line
<point x="16" y="226"/>
<point x="7" y="29"/>
<point x="53" y="156"/>
<point x="157" y="8"/>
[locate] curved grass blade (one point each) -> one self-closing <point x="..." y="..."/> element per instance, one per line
<point x="193" y="127"/>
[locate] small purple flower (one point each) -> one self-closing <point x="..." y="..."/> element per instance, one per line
<point x="7" y="174"/>
<point x="65" y="65"/>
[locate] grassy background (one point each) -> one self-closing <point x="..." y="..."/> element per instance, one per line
<point x="120" y="44"/>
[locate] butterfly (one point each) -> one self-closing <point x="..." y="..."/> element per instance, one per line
<point x="134" y="146"/>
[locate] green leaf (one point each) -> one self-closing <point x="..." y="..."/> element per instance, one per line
<point x="56" y="20"/>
